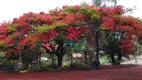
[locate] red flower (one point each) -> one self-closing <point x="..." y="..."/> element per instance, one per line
<point x="34" y="39"/>
<point x="2" y="36"/>
<point x="46" y="45"/>
<point x="53" y="33"/>
<point x="70" y="29"/>
<point x="77" y="7"/>
<point x="118" y="10"/>
<point x="64" y="7"/>
<point x="127" y="28"/>
<point x="75" y="33"/>
<point x="45" y="37"/>
<point x="42" y="13"/>
<point x="23" y="42"/>
<point x="69" y="18"/>
<point x="108" y="24"/>
<point x="90" y="7"/>
<point x="17" y="33"/>
<point x="9" y="41"/>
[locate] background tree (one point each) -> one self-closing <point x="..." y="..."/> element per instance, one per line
<point x="104" y="3"/>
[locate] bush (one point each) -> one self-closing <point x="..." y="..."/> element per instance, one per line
<point x="77" y="66"/>
<point x="105" y="60"/>
<point x="40" y="67"/>
<point x="34" y="68"/>
<point x="12" y="65"/>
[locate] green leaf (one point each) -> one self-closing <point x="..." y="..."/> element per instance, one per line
<point x="42" y="29"/>
<point x="92" y="11"/>
<point x="83" y="10"/>
<point x="79" y="46"/>
<point x="70" y="10"/>
<point x="95" y="17"/>
<point x="12" y="29"/>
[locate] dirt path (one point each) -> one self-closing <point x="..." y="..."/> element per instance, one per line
<point x="137" y="61"/>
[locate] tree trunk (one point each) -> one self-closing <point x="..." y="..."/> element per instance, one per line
<point x="60" y="52"/>
<point x="112" y="58"/>
<point x="116" y="61"/>
<point x="97" y="45"/>
<point x="85" y="54"/>
<point x="60" y="58"/>
<point x="71" y="59"/>
<point x="97" y="49"/>
<point x="119" y="58"/>
<point x="52" y="58"/>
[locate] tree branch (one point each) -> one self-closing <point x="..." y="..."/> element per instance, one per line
<point x="48" y="51"/>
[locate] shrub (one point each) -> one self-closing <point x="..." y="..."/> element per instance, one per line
<point x="77" y="66"/>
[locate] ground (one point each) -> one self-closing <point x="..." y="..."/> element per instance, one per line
<point x="129" y="70"/>
<point x="134" y="60"/>
<point x="123" y="72"/>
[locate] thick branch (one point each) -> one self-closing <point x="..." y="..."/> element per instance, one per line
<point x="48" y="51"/>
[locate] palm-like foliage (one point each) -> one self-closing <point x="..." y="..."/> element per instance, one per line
<point x="111" y="46"/>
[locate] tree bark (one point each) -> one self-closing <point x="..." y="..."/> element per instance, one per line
<point x="60" y="58"/>
<point x="97" y="49"/>
<point x="52" y="58"/>
<point x="119" y="58"/>
<point x="112" y="58"/>
<point x="60" y="52"/>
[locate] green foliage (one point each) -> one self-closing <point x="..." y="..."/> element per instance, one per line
<point x="138" y="47"/>
<point x="68" y="49"/>
<point x="11" y="27"/>
<point x="12" y="65"/>
<point x="79" y="46"/>
<point x="70" y="10"/>
<point x="34" y="68"/>
<point x="77" y="66"/>
<point x="105" y="60"/>
<point x="28" y="55"/>
<point x="1" y="44"/>
<point x="11" y="36"/>
<point x="44" y="63"/>
<point x="40" y="67"/>
<point x="3" y="57"/>
<point x="42" y="29"/>
<point x="83" y="10"/>
<point x="95" y="17"/>
<point x="92" y="11"/>
<point x="2" y="54"/>
<point x="61" y="36"/>
<point x="105" y="3"/>
<point x="111" y="45"/>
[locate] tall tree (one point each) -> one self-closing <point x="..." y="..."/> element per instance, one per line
<point x="51" y="30"/>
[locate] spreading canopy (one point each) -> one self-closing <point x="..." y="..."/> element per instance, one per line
<point x="70" y="22"/>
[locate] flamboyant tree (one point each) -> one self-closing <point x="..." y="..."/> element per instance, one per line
<point x="51" y="30"/>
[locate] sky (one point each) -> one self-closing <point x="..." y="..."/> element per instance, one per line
<point x="10" y="9"/>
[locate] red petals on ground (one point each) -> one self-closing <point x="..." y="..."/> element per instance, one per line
<point x="123" y="72"/>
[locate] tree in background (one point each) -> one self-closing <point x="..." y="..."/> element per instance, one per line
<point x="104" y="3"/>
